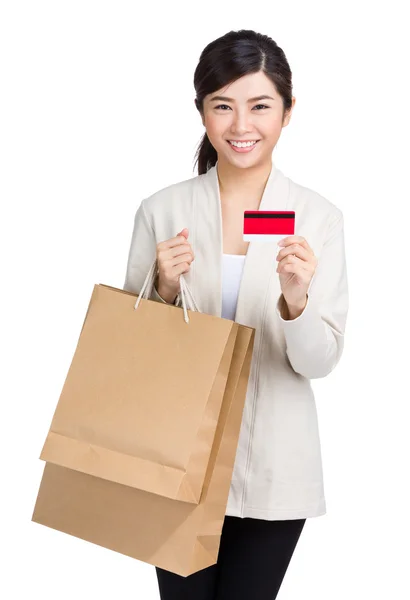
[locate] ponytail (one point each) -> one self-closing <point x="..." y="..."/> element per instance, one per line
<point x="206" y="155"/>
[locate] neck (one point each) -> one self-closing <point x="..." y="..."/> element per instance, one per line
<point x="242" y="182"/>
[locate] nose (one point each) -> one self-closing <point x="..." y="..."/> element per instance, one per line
<point x="241" y="123"/>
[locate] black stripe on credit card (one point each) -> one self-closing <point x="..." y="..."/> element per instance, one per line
<point x="269" y="216"/>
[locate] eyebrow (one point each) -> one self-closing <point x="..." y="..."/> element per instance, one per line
<point x="226" y="99"/>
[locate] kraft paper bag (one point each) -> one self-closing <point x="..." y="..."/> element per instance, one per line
<point x="142" y="396"/>
<point x="142" y="444"/>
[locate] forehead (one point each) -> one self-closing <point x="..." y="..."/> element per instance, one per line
<point x="246" y="87"/>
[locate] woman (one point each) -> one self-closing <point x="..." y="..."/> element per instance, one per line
<point x="295" y="296"/>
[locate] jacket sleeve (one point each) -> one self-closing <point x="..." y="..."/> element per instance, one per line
<point x="315" y="339"/>
<point x="142" y="254"/>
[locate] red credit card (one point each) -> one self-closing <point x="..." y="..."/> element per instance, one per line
<point x="268" y="225"/>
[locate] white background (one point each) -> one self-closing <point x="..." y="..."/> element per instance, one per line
<point x="97" y="113"/>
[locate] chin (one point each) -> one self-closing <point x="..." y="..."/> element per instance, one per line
<point x="245" y="162"/>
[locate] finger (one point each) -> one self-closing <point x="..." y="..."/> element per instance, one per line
<point x="308" y="265"/>
<point x="298" y="270"/>
<point x="187" y="258"/>
<point x="182" y="249"/>
<point x="292" y="259"/>
<point x="172" y="243"/>
<point x="294" y="249"/>
<point x="292" y="239"/>
<point x="171" y="254"/>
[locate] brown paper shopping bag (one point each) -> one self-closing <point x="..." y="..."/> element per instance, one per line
<point x="142" y="444"/>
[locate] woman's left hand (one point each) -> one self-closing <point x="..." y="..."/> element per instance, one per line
<point x="296" y="267"/>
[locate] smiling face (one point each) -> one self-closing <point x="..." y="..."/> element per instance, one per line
<point x="247" y="110"/>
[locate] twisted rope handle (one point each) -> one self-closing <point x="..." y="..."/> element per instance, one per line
<point x="186" y="295"/>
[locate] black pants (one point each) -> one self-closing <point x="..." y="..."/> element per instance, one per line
<point x="253" y="558"/>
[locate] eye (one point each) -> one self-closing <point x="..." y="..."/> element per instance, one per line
<point x="221" y="105"/>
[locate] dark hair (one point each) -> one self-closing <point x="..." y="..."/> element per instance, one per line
<point x="228" y="58"/>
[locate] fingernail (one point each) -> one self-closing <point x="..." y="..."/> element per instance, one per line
<point x="281" y="243"/>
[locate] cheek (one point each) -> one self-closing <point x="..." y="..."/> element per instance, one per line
<point x="272" y="128"/>
<point x="214" y="127"/>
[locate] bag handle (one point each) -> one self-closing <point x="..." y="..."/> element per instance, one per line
<point x="186" y="295"/>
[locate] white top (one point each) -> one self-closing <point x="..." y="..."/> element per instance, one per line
<point x="232" y="267"/>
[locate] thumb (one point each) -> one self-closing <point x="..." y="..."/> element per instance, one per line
<point x="184" y="232"/>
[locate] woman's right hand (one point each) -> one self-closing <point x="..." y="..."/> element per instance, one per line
<point x="174" y="257"/>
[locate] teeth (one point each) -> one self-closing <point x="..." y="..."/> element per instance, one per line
<point x="242" y="144"/>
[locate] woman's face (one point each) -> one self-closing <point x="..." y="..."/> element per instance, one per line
<point x="236" y="113"/>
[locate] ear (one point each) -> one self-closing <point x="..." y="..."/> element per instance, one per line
<point x="288" y="114"/>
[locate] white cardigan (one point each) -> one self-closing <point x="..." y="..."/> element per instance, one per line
<point x="278" y="468"/>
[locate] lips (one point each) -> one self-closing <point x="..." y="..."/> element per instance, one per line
<point x="243" y="149"/>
